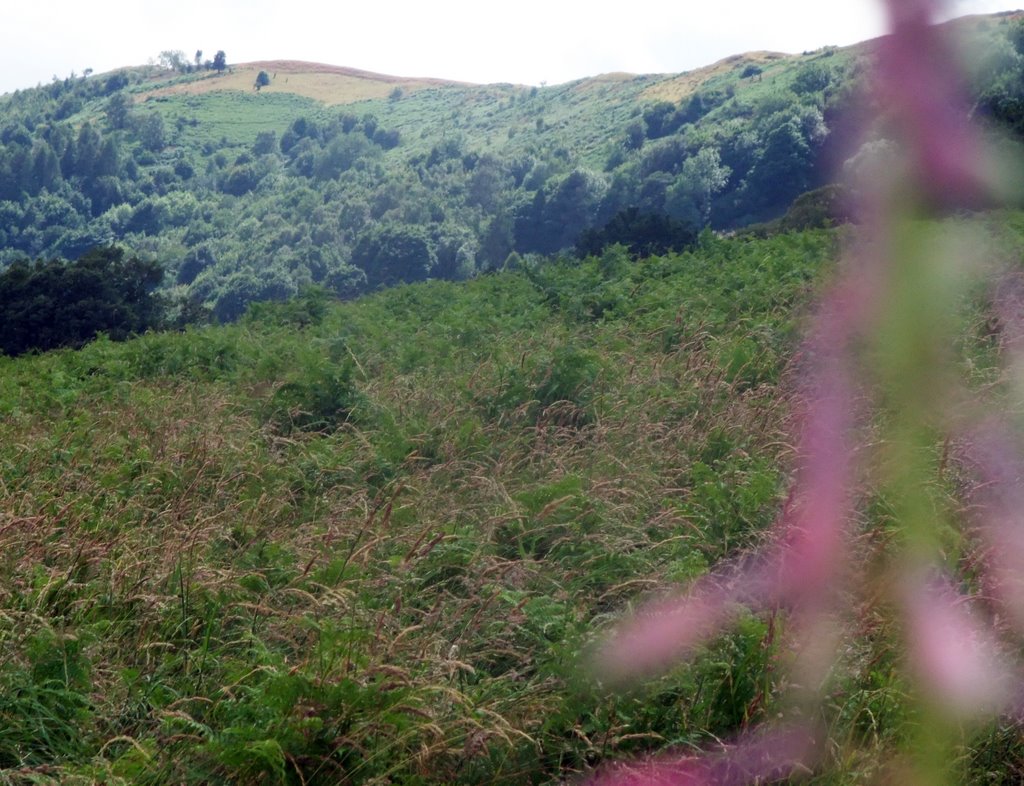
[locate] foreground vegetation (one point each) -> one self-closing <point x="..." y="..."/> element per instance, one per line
<point x="371" y="542"/>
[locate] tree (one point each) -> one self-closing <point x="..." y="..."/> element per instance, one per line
<point x="53" y="304"/>
<point x="220" y="61"/>
<point x="662" y="119"/>
<point x="560" y="212"/>
<point x="173" y="60"/>
<point x="644" y="234"/>
<point x="262" y="80"/>
<point x="341" y="155"/>
<point x="812" y="78"/>
<point x="783" y="170"/>
<point x="701" y="177"/>
<point x="266" y="143"/>
<point x="115" y="82"/>
<point x="152" y="132"/>
<point x="635" y="136"/>
<point x="393" y="253"/>
<point x="87" y="151"/>
<point x="42" y="169"/>
<point x="241" y="179"/>
<point x="108" y="163"/>
<point x="118" y="109"/>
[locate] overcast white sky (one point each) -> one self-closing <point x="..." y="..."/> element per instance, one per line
<point x="528" y="41"/>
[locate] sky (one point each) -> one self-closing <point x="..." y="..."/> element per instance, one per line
<point x="525" y="42"/>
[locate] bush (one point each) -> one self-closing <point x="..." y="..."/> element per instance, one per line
<point x="318" y="397"/>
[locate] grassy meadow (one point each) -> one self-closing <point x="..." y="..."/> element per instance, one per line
<point x="367" y="542"/>
<point x="371" y="542"/>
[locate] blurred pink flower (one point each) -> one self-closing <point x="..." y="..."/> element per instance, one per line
<point x="760" y="756"/>
<point x="957" y="658"/>
<point x="920" y="83"/>
<point x="997" y="511"/>
<point x="804" y="563"/>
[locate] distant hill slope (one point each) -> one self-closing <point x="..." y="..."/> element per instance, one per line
<point x="677" y="87"/>
<point x="332" y="84"/>
<point x="327" y="84"/>
<point x="355" y="180"/>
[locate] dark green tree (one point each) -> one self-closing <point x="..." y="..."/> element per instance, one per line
<point x="41" y="170"/>
<point x="661" y="120"/>
<point x="812" y="78"/>
<point x="394" y="253"/>
<point x="108" y="162"/>
<point x="784" y="169"/>
<point x="46" y="305"/>
<point x="118" y="109"/>
<point x="242" y="179"/>
<point x="1016" y="36"/>
<point x="262" y="80"/>
<point x="341" y="154"/>
<point x="220" y="61"/>
<point x="265" y="144"/>
<point x="87" y="151"/>
<point x="564" y="208"/>
<point x="644" y="234"/>
<point x="152" y="132"/>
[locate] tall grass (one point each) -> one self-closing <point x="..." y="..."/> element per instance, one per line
<point x="372" y="546"/>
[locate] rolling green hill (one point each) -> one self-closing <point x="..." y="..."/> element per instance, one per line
<point x="244" y="195"/>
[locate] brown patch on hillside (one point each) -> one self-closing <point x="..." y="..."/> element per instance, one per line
<point x="676" y="88"/>
<point x="600" y="83"/>
<point x="614" y="76"/>
<point x="318" y="81"/>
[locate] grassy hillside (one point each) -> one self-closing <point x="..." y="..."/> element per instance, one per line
<point x="324" y="83"/>
<point x="245" y="195"/>
<point x="371" y="547"/>
<point x="586" y="114"/>
<point x="369" y="542"/>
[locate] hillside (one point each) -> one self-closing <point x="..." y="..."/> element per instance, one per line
<point x="321" y="175"/>
<point x="370" y="542"/>
<point x="391" y="430"/>
<point x="320" y="82"/>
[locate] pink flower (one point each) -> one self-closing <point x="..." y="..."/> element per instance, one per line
<point x="998" y="513"/>
<point x="755" y="757"/>
<point x="956" y="657"/>
<point x="954" y="652"/>
<point x="919" y="82"/>
<point x="804" y="565"/>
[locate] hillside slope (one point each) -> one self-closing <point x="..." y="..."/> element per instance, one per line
<point x="354" y="180"/>
<point x="371" y="542"/>
<point x="327" y="84"/>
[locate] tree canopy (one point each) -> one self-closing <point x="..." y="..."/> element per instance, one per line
<point x="49" y="304"/>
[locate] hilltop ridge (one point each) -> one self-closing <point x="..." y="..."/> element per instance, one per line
<point x="337" y="84"/>
<point x="328" y="84"/>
